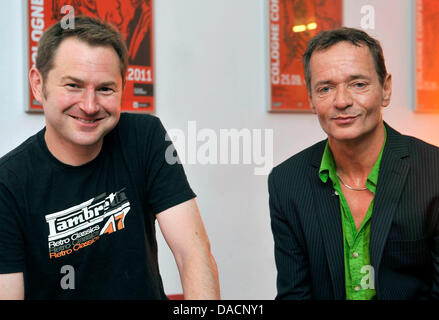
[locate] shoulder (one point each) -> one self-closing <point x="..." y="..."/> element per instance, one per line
<point x="421" y="148"/>
<point x="15" y="161"/>
<point x="143" y="121"/>
<point x="424" y="159"/>
<point x="18" y="154"/>
<point x="417" y="149"/>
<point x="139" y="137"/>
<point x="297" y="166"/>
<point x="138" y="128"/>
<point x="418" y="156"/>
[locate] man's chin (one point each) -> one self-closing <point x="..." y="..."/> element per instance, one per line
<point x="345" y="135"/>
<point x="351" y="135"/>
<point x="87" y="141"/>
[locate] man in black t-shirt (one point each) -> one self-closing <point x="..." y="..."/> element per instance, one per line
<point x="83" y="194"/>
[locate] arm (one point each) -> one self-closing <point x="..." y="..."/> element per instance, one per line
<point x="435" y="257"/>
<point x="293" y="279"/>
<point x="11" y="286"/>
<point x="433" y="228"/>
<point x="185" y="235"/>
<point x="11" y="247"/>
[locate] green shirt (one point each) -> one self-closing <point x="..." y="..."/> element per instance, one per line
<point x="359" y="274"/>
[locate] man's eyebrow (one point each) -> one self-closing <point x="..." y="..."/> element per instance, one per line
<point x="79" y="81"/>
<point x="350" y="78"/>
<point x="107" y="84"/>
<point x="358" y="76"/>
<point x="323" y="82"/>
<point x="70" y="78"/>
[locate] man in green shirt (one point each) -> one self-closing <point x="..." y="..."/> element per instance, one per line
<point x="355" y="216"/>
<point x="356" y="240"/>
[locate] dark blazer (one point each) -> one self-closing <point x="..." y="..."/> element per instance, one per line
<point x="404" y="238"/>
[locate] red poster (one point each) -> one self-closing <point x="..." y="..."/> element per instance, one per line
<point x="292" y="24"/>
<point x="427" y="62"/>
<point x="133" y="18"/>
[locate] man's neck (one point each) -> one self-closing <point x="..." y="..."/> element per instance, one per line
<point x="69" y="153"/>
<point x="355" y="159"/>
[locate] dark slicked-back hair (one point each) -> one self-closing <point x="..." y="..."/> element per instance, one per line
<point x="329" y="38"/>
<point x="92" y="31"/>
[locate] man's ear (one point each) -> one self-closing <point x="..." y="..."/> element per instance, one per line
<point x="36" y="84"/>
<point x="311" y="105"/>
<point x="387" y="90"/>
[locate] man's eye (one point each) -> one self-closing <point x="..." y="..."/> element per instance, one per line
<point x="359" y="85"/>
<point x="324" y="90"/>
<point x="106" y="90"/>
<point x="72" y="85"/>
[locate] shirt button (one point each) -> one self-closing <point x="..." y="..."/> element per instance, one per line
<point x="355" y="254"/>
<point x="336" y="193"/>
<point x="357" y="288"/>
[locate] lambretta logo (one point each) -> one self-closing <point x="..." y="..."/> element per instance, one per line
<point x="112" y="208"/>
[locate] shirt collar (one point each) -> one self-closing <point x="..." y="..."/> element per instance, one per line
<point x="328" y="170"/>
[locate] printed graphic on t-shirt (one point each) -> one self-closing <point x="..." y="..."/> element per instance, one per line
<point x="80" y="226"/>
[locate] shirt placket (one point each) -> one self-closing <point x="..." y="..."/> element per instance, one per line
<point x="355" y="243"/>
<point x="352" y="241"/>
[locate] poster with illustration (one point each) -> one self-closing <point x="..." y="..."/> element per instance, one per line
<point x="427" y="62"/>
<point x="133" y="18"/>
<point x="292" y="23"/>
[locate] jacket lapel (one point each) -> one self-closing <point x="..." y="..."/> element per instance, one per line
<point x="329" y="215"/>
<point x="391" y="181"/>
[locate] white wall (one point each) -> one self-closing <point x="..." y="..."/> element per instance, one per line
<point x="210" y="67"/>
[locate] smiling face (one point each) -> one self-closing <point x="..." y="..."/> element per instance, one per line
<point x="345" y="91"/>
<point x="81" y="95"/>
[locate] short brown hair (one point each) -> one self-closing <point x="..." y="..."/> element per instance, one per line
<point x="327" y="39"/>
<point x="92" y="31"/>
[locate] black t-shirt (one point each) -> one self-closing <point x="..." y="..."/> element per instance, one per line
<point x="97" y="218"/>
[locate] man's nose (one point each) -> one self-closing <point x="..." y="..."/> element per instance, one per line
<point x="342" y="98"/>
<point x="89" y="103"/>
